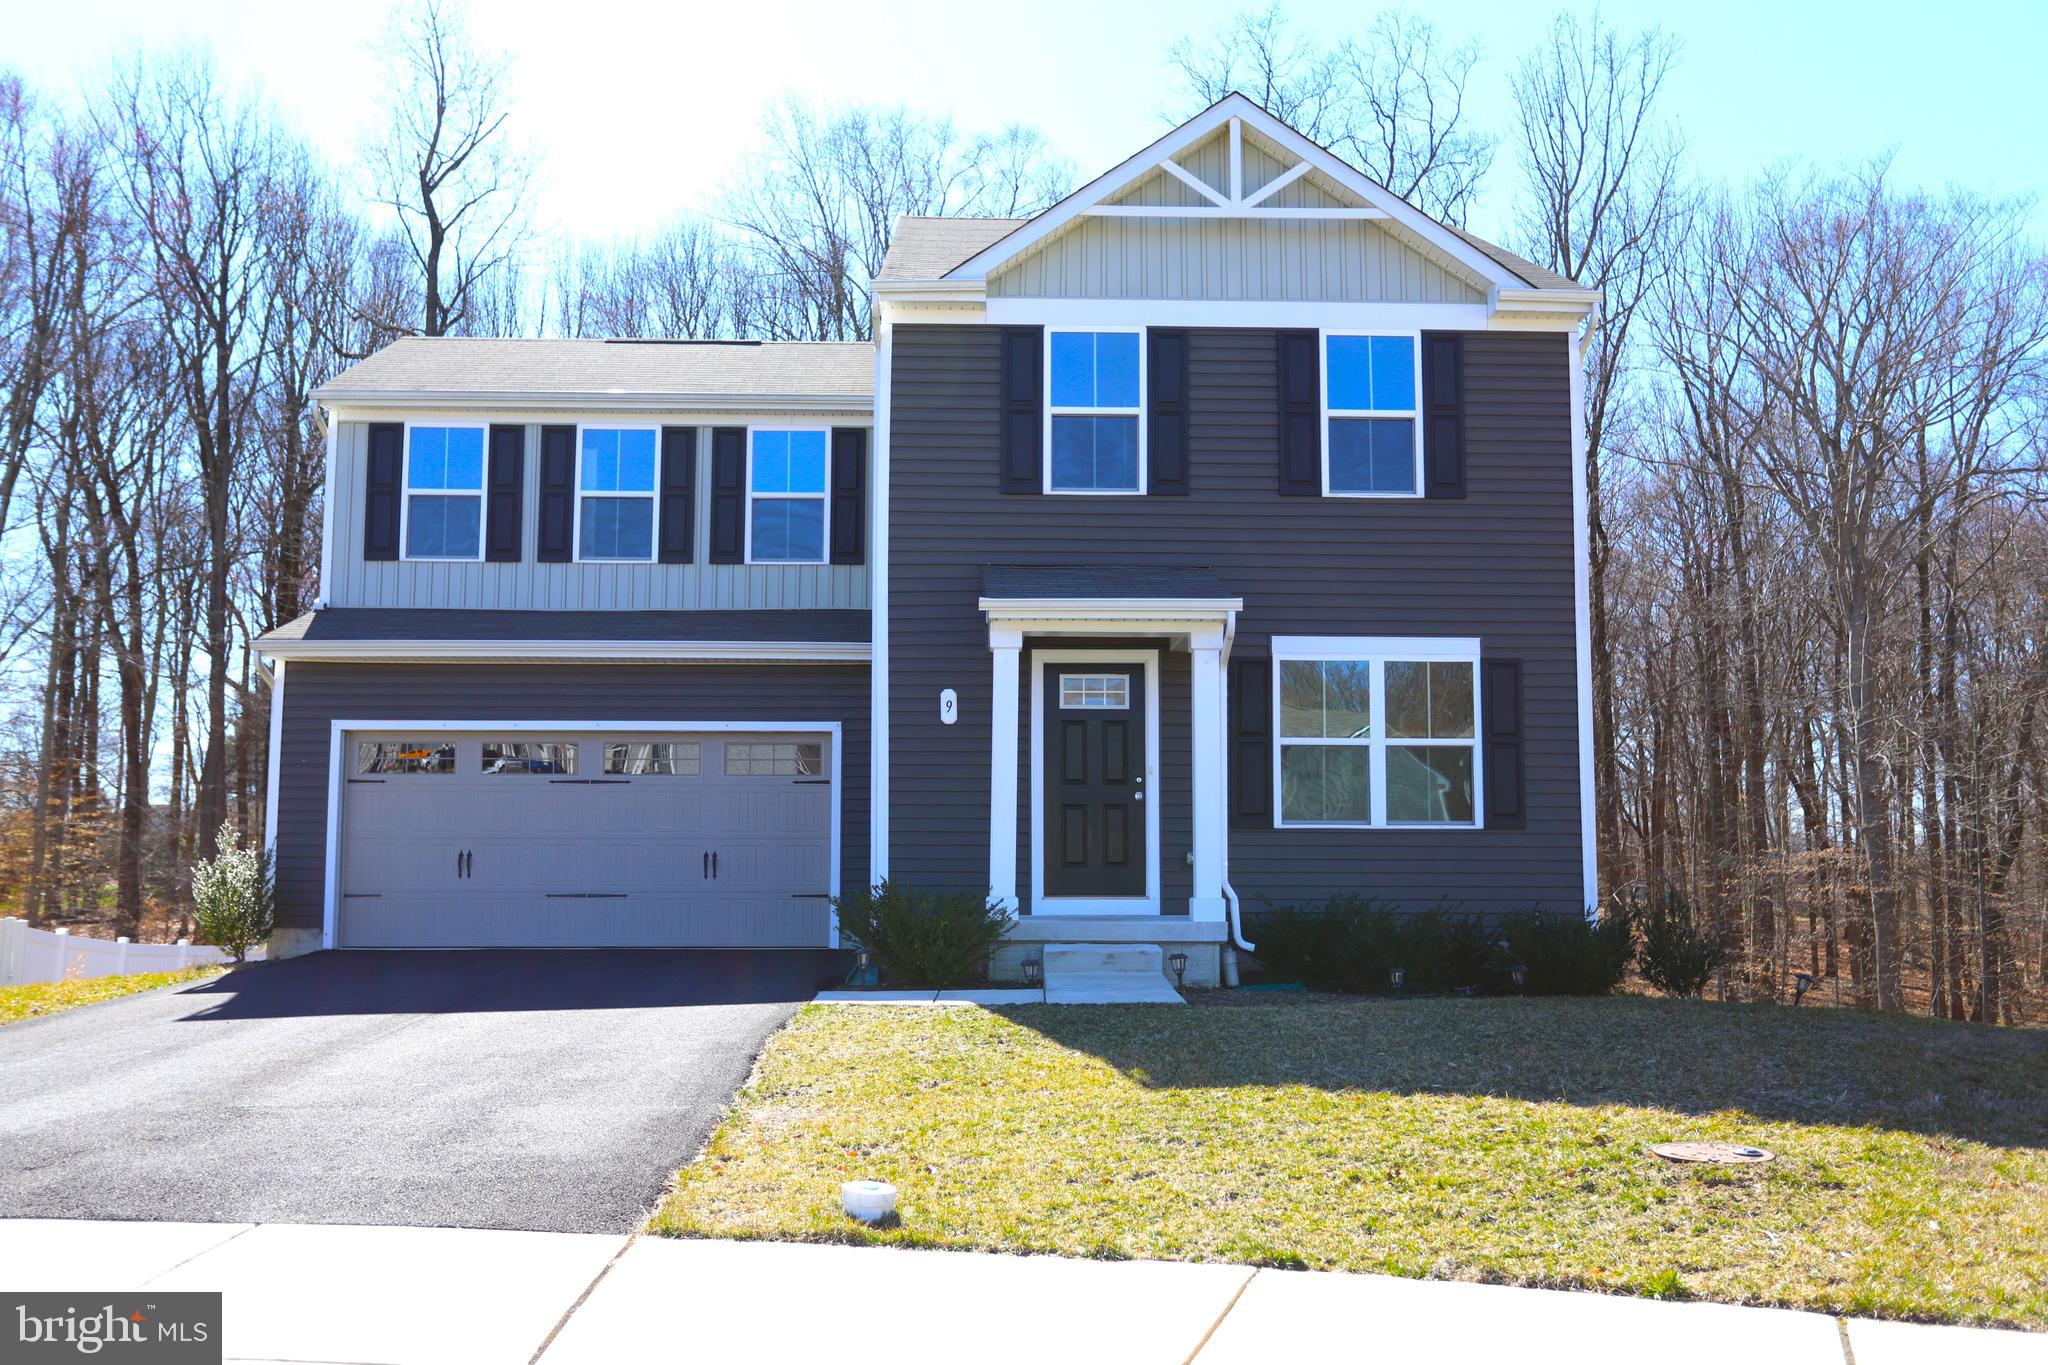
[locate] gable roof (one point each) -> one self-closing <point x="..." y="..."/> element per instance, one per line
<point x="978" y="247"/>
<point x="578" y="372"/>
<point x="928" y="248"/>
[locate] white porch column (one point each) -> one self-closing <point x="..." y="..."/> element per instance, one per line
<point x="1004" y="647"/>
<point x="1205" y="701"/>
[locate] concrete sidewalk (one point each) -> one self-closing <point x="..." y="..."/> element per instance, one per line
<point x="381" y="1296"/>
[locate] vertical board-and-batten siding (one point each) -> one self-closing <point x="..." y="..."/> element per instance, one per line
<point x="529" y="585"/>
<point x="316" y="694"/>
<point x="1496" y="564"/>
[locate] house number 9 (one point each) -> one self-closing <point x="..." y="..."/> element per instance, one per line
<point x="949" y="706"/>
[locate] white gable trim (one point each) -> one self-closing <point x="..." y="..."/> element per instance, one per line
<point x="1235" y="112"/>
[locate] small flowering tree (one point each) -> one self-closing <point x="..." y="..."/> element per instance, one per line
<point x="234" y="900"/>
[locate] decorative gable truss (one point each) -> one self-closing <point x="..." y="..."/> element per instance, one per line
<point x="1235" y="173"/>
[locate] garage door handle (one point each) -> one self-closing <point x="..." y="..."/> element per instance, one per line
<point x="714" y="867"/>
<point x="469" y="863"/>
<point x="458" y="862"/>
<point x="707" y="865"/>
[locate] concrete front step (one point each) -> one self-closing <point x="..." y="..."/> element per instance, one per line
<point x="1107" y="974"/>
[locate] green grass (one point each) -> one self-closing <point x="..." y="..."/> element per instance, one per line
<point x="1499" y="1140"/>
<point x="53" y="997"/>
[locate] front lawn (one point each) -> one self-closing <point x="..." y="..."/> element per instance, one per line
<point x="51" y="997"/>
<point x="1501" y="1140"/>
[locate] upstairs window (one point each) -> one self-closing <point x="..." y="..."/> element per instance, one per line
<point x="444" y="493"/>
<point x="1377" y="732"/>
<point x="1096" y="396"/>
<point x="785" y="497"/>
<point x="1369" y="398"/>
<point x="615" y="494"/>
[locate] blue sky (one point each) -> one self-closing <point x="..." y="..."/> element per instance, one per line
<point x="640" y="110"/>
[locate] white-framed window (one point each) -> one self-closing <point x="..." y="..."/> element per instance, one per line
<point x="662" y="758"/>
<point x="1372" y="442"/>
<point x="774" y="758"/>
<point x="787" y="509"/>
<point x="550" y="756"/>
<point x="1376" y="732"/>
<point x="380" y="757"/>
<point x="615" y="479"/>
<point x="1094" y="410"/>
<point x="442" y="512"/>
<point x="1095" y="692"/>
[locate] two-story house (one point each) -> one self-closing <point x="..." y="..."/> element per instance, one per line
<point x="1214" y="537"/>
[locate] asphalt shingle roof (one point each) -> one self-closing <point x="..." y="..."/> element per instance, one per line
<point x="497" y="367"/>
<point x="926" y="248"/>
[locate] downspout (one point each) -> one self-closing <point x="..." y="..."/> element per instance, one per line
<point x="1233" y="909"/>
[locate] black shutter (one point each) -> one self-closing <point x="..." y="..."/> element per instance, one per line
<point x="1443" y="414"/>
<point x="849" y="494"/>
<point x="1301" y="415"/>
<point x="1023" y="417"/>
<point x="678" y="495"/>
<point x="728" y="495"/>
<point x="383" y="482"/>
<point x="505" y="494"/>
<point x="1251" y="743"/>
<point x="557" y="495"/>
<point x="1501" y="698"/>
<point x="1166" y="429"/>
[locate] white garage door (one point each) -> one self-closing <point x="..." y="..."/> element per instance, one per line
<point x="538" y="838"/>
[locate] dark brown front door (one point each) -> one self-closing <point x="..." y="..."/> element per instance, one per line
<point x="1095" y="780"/>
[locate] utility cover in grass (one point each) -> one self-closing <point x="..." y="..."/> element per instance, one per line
<point x="1713" y="1153"/>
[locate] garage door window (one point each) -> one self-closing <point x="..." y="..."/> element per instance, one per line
<point x="774" y="759"/>
<point x="529" y="756"/>
<point x="679" y="759"/>
<point x="382" y="756"/>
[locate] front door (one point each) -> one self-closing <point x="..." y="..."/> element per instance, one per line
<point x="1095" y="797"/>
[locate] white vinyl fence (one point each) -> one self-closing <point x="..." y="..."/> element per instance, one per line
<point x="29" y="955"/>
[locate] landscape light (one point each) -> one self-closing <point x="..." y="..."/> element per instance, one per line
<point x="1032" y="967"/>
<point x="1802" y="982"/>
<point x="1398" y="976"/>
<point x="1179" y="963"/>
<point x="1518" y="974"/>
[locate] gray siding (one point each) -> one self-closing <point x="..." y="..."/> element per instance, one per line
<point x="1497" y="565"/>
<point x="528" y="585"/>
<point x="317" y="694"/>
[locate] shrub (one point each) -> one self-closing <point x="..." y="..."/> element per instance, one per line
<point x="1566" y="955"/>
<point x="1679" y="955"/>
<point x="1353" y="943"/>
<point x="925" y="937"/>
<point x="234" y="900"/>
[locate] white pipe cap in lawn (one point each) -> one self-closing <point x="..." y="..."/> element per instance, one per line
<point x="868" y="1200"/>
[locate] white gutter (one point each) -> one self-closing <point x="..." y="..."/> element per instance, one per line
<point x="1145" y="609"/>
<point x="1233" y="908"/>
<point x="629" y="651"/>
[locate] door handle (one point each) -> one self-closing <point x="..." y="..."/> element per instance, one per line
<point x="469" y="863"/>
<point x="714" y="867"/>
<point x="458" y="862"/>
<point x="707" y="865"/>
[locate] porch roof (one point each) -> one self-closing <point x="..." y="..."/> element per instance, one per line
<point x="1099" y="582"/>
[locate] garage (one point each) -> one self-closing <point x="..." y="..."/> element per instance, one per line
<point x="530" y="835"/>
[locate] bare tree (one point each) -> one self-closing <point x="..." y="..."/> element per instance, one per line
<point x="1603" y="197"/>
<point x="446" y="164"/>
<point x="1390" y="100"/>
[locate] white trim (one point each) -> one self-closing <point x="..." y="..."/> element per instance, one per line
<point x="652" y="497"/>
<point x="276" y="754"/>
<point x="1136" y="611"/>
<point x="1377" y="652"/>
<point x="1193" y="182"/>
<point x="1042" y="904"/>
<point x="1413" y="415"/>
<point x="1095" y="314"/>
<point x="405" y="493"/>
<point x="1005" y="648"/>
<point x="1582" y="614"/>
<point x="878" y="605"/>
<point x="1192" y="211"/>
<point x="1236" y="160"/>
<point x="330" y="922"/>
<point x="327" y="516"/>
<point x="823" y="497"/>
<point x="1136" y="414"/>
<point x="593" y="651"/>
<point x="1279" y="183"/>
<point x="1237" y="110"/>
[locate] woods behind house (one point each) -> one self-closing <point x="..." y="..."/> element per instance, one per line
<point x="1815" y="413"/>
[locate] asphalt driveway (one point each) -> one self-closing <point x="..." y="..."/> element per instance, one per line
<point x="543" y="1090"/>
